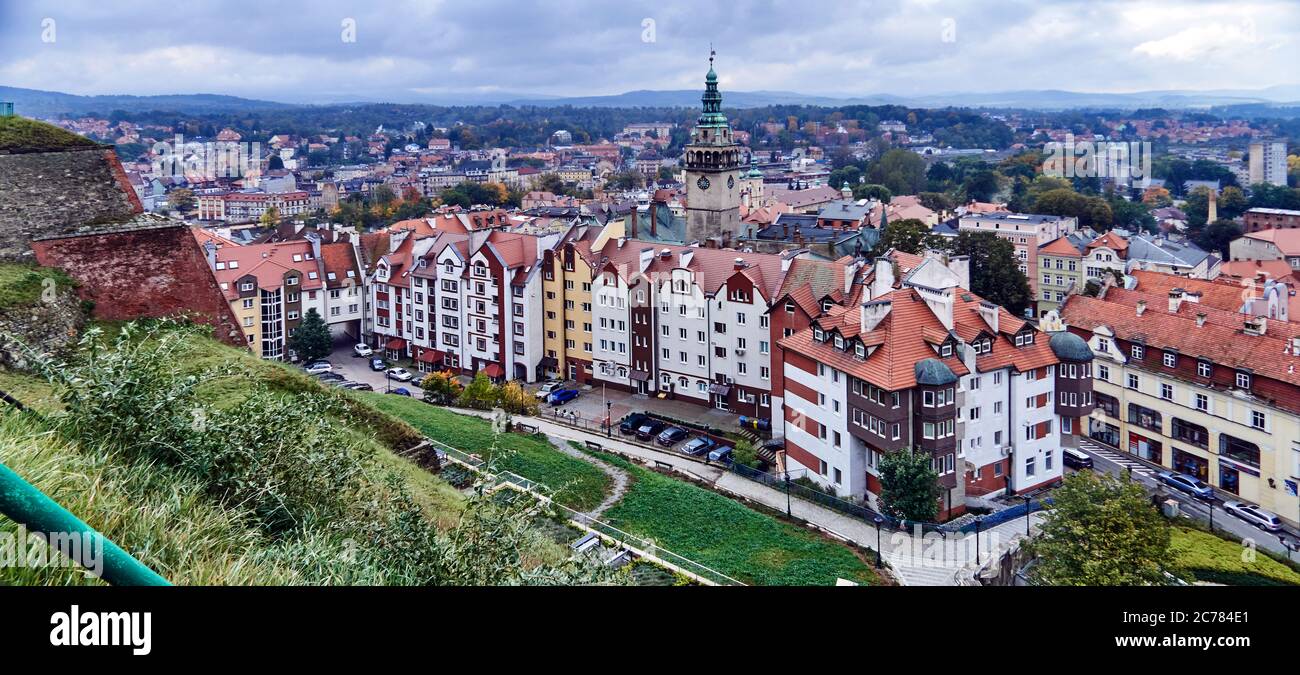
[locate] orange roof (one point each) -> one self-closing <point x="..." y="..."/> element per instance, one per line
<point x="1111" y="241"/>
<point x="1225" y="295"/>
<point x="1287" y="239"/>
<point x="1279" y="270"/>
<point x="1158" y="329"/>
<point x="268" y="263"/>
<point x="1059" y="246"/>
<point x="712" y="267"/>
<point x="340" y="263"/>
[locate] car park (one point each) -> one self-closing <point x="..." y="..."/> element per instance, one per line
<point x="698" y="446"/>
<point x="1264" y="520"/>
<point x="362" y="350"/>
<point x="650" y="428"/>
<point x="632" y="422"/>
<point x="399" y="374"/>
<point x="544" y="393"/>
<point x="671" y="436"/>
<point x="1076" y="459"/>
<point x="377" y="364"/>
<point x="562" y="396"/>
<point x="318" y="367"/>
<point x="721" y="454"/>
<point x="1189" y="484"/>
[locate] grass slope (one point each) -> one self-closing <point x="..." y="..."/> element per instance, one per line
<point x="20" y="134"/>
<point x="22" y="284"/>
<point x="728" y="536"/>
<point x="578" y="484"/>
<point x="1216" y="560"/>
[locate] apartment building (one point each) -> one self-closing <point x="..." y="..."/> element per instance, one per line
<point x="568" y="322"/>
<point x="1061" y="268"/>
<point x="1027" y="232"/>
<point x="1270" y="244"/>
<point x="1190" y="376"/>
<point x="1268" y="162"/>
<point x="918" y="362"/>
<point x="242" y="207"/>
<point x="271" y="287"/>
<point x="1260" y="219"/>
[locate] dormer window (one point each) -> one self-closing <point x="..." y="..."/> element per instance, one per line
<point x="789" y="307"/>
<point x="1138" y="351"/>
<point x="819" y="335"/>
<point x="1171" y="359"/>
<point x="826" y="305"/>
<point x="291" y="281"/>
<point x="946" y="350"/>
<point x="839" y="342"/>
<point x="860" y="351"/>
<point x="1020" y="340"/>
<point x="1243" y="380"/>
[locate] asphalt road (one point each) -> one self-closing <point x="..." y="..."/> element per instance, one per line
<point x="357" y="369"/>
<point x="1113" y="462"/>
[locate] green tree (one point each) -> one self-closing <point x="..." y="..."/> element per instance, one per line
<point x="181" y="199"/>
<point x="902" y="171"/>
<point x="908" y="235"/>
<point x="994" y="269"/>
<point x="312" y="339"/>
<point x="1102" y="531"/>
<point x="909" y="486"/>
<point x="872" y="191"/>
<point x="270" y="217"/>
<point x="481" y="394"/>
<point x="1216" y="237"/>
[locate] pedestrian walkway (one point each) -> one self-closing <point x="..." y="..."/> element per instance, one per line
<point x="1137" y="467"/>
<point x="931" y="559"/>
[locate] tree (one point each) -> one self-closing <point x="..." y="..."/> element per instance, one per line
<point x="1102" y="531"/>
<point x="481" y="394"/>
<point x="270" y="217"/>
<point x="909" y="486"/>
<point x="312" y="339"/>
<point x="181" y="199"/>
<point x="1216" y="237"/>
<point x="902" y="171"/>
<point x="872" y="191"/>
<point x="994" y="269"/>
<point x="516" y="401"/>
<point x="1232" y="202"/>
<point x="441" y="387"/>
<point x="908" y="235"/>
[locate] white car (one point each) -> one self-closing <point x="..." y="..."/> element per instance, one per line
<point x="1254" y="515"/>
<point x="547" y="389"/>
<point x="318" y="367"/>
<point x="400" y="374"/>
<point x="362" y="350"/>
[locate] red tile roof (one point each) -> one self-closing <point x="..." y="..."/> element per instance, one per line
<point x="268" y="263"/>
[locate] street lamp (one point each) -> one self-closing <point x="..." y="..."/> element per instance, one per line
<point x="787" y="494"/>
<point x="609" y="420"/>
<point x="1211" y="502"/>
<point x="1026" y="498"/>
<point x="878" y="521"/>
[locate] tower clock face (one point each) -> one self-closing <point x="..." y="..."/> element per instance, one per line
<point x="703" y="183"/>
<point x="731" y="182"/>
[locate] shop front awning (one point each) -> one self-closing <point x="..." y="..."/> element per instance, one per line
<point x="719" y="389"/>
<point x="395" y="343"/>
<point x="549" y="362"/>
<point x="430" y="356"/>
<point x="640" y="375"/>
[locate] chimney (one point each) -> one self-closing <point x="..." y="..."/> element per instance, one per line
<point x="1200" y="319"/>
<point x="873" y="313"/>
<point x="884" y="281"/>
<point x="1141" y="307"/>
<point x="851" y="271"/>
<point x="1175" y="300"/>
<point x="739" y="264"/>
<point x="647" y="256"/>
<point x="960" y="265"/>
<point x="210" y="250"/>
<point x="686" y="257"/>
<point x="666" y="254"/>
<point x="989" y="312"/>
<point x="1255" y="325"/>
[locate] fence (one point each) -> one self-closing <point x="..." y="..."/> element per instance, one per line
<point x="1007" y="515"/>
<point x="641" y="545"/>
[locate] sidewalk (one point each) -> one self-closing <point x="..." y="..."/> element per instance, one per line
<point x="929" y="560"/>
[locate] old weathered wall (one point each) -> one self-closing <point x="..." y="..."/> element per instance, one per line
<point x="48" y="194"/>
<point x="49" y="325"/>
<point x="139" y="271"/>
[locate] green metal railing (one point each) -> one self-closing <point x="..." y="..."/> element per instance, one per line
<point x="31" y="508"/>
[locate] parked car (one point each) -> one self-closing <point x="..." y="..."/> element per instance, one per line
<point x="671" y="436"/>
<point x="1254" y="515"/>
<point x="399" y="374"/>
<point x="698" y="446"/>
<point x="330" y="377"/>
<point x="650" y="428"/>
<point x="1076" y="459"/>
<point x="632" y="422"/>
<point x="562" y="396"/>
<point x="549" y="388"/>
<point x="378" y="364"/>
<point x="402" y="391"/>
<point x="362" y="350"/>
<point x="358" y="386"/>
<point x="318" y="367"/>
<point x="721" y="454"/>
<point x="1189" y="484"/>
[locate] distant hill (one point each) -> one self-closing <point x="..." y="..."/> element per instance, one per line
<point x="37" y="103"/>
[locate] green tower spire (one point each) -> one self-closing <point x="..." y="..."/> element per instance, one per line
<point x="712" y="99"/>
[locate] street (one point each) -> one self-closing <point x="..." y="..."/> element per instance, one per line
<point x="1113" y="462"/>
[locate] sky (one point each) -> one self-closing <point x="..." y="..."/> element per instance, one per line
<point x="408" y="50"/>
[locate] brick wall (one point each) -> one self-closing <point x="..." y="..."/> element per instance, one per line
<point x="49" y="194"/>
<point x="143" y="271"/>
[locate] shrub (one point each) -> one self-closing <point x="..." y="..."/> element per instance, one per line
<point x="481" y="394"/>
<point x="441" y="387"/>
<point x="516" y="401"/>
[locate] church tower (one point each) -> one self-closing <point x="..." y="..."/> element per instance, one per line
<point x="712" y="161"/>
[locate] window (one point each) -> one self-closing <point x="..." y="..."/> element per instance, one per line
<point x="1029" y="466"/>
<point x="1204" y="368"/>
<point x="1138" y="351"/>
<point x="1243" y="380"/>
<point x="1133" y="381"/>
<point x="1201" y="402"/>
<point x="1103" y="372"/>
<point x="1170" y="359"/>
<point x="1166" y="391"/>
<point x="1258" y="420"/>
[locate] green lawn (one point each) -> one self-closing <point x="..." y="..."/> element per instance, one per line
<point x="727" y="536"/>
<point x="578" y="484"/>
<point x="1213" y="559"/>
<point x="20" y="134"/>
<point x="22" y="284"/>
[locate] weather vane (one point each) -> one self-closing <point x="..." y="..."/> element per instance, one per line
<point x="712" y="54"/>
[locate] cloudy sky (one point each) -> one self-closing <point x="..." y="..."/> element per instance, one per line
<point x="404" y="50"/>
